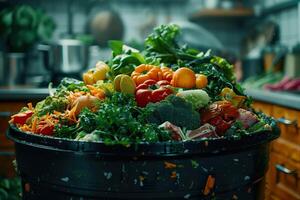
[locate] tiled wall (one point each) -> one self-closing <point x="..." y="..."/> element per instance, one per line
<point x="288" y="21"/>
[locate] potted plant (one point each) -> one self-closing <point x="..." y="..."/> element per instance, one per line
<point x="20" y="28"/>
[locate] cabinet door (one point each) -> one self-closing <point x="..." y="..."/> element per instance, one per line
<point x="7" y="146"/>
<point x="6" y="110"/>
<point x="263" y="107"/>
<point x="287" y="149"/>
<point x="284" y="178"/>
<point x="289" y="123"/>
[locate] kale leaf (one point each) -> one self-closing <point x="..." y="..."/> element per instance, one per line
<point x="70" y="84"/>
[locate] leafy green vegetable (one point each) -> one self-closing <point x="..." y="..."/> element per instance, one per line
<point x="216" y="80"/>
<point x="225" y="66"/>
<point x="124" y="60"/>
<point x="162" y="45"/>
<point x="175" y="110"/>
<point x="10" y="189"/>
<point x="50" y="104"/>
<point x="116" y="47"/>
<point x="163" y="39"/>
<point x="121" y="122"/>
<point x="70" y="84"/>
<point x="87" y="120"/>
<point x="118" y="121"/>
<point x="65" y="130"/>
<point x="269" y="122"/>
<point x="235" y="131"/>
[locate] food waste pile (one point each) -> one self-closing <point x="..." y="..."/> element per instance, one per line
<point x="165" y="92"/>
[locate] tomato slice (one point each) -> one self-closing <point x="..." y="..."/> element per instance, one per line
<point x="21" y="118"/>
<point x="46" y="130"/>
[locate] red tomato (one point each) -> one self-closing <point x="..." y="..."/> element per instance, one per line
<point x="143" y="97"/>
<point x="21" y="118"/>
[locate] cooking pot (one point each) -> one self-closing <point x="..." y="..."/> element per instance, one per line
<point x="13" y="70"/>
<point x="67" y="56"/>
<point x="215" y="169"/>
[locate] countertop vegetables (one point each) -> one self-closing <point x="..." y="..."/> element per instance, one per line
<point x="167" y="92"/>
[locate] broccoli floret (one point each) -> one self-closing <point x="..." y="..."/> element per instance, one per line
<point x="175" y="110"/>
<point x="198" y="98"/>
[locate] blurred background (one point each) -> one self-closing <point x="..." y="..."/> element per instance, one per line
<point x="44" y="41"/>
<point x="34" y="33"/>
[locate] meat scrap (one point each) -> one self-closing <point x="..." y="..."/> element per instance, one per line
<point x="205" y="131"/>
<point x="175" y="131"/>
<point x="247" y="118"/>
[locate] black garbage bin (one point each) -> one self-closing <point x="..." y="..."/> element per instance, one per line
<point x="53" y="168"/>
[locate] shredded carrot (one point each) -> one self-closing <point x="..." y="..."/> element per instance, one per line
<point x="210" y="183"/>
<point x="173" y="174"/>
<point x="56" y="113"/>
<point x="71" y="114"/>
<point x="34" y="124"/>
<point x="30" y="107"/>
<point x="25" y="128"/>
<point x="169" y="165"/>
<point x="74" y="95"/>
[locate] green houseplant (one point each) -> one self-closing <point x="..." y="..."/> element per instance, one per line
<point x="21" y="27"/>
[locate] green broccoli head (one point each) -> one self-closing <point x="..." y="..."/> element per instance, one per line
<point x="175" y="110"/>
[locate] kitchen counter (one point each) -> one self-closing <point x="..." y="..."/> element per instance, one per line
<point x="286" y="99"/>
<point x="23" y="94"/>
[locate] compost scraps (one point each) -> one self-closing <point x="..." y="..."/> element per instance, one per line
<point x="166" y="92"/>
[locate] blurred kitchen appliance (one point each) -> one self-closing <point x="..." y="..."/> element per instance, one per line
<point x="227" y="4"/>
<point x="292" y="62"/>
<point x="36" y="74"/>
<point x="2" y="68"/>
<point x="252" y="63"/>
<point x="256" y="57"/>
<point x="274" y="58"/>
<point x="67" y="56"/>
<point x="210" y="4"/>
<point x="104" y="23"/>
<point x="191" y="32"/>
<point x="13" y="69"/>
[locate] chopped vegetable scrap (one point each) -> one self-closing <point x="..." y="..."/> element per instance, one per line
<point x="169" y="165"/>
<point x="210" y="183"/>
<point x="165" y="93"/>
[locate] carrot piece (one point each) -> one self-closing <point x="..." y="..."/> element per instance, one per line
<point x="210" y="183"/>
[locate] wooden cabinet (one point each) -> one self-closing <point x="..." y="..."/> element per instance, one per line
<point x="283" y="176"/>
<point x="7" y="146"/>
<point x="263" y="107"/>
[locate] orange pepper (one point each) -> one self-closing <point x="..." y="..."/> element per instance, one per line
<point x="167" y="73"/>
<point x="145" y="72"/>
